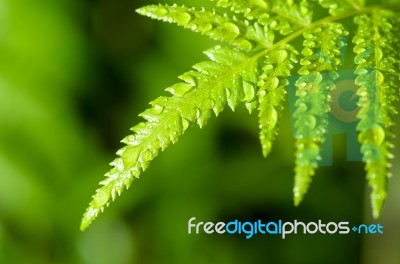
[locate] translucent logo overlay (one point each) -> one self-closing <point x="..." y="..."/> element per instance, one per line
<point x="283" y="229"/>
<point x="342" y="118"/>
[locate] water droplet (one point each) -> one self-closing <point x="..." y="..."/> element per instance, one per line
<point x="251" y="106"/>
<point x="264" y="19"/>
<point x="379" y="78"/>
<point x="139" y="127"/>
<point x="272" y="118"/>
<point x="185" y="124"/>
<point x="118" y="163"/>
<point x="249" y="92"/>
<point x="121" y="151"/>
<point x="273" y="24"/>
<point x="127" y="183"/>
<point x="205" y="28"/>
<point x="147" y="155"/>
<point x="301" y="108"/>
<point x="219" y="105"/>
<point x="203" y="118"/>
<point x="243" y="44"/>
<point x="183" y="18"/>
<point x="158" y="109"/>
<point x="307" y="52"/>
<point x="262" y="93"/>
<point x="378" y="54"/>
<point x="304" y="10"/>
<point x="188" y="78"/>
<point x="131" y="154"/>
<point x="308" y="35"/>
<point x="266" y="147"/>
<point x="198" y="113"/>
<point x="308" y="121"/>
<point x="150" y="115"/>
<point x="375" y="136"/>
<point x="179" y="89"/>
<point x="361" y="71"/>
<point x="161" y="11"/>
<point x="231" y="29"/>
<point x="101" y="197"/>
<point x="309" y="43"/>
<point x="129" y="140"/>
<point x="228" y="92"/>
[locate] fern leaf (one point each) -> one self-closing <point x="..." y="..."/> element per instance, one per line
<point x="299" y="14"/>
<point x="338" y="7"/>
<point x="272" y="92"/>
<point x="251" y="9"/>
<point x="376" y="60"/>
<point x="234" y="31"/>
<point x="229" y="77"/>
<point x="321" y="56"/>
<point x="286" y="17"/>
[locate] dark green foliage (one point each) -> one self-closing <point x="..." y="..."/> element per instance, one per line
<point x="253" y="69"/>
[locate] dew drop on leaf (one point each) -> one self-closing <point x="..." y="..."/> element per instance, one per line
<point x="160" y="11"/>
<point x="266" y="147"/>
<point x="179" y="89"/>
<point x="189" y="79"/>
<point x="375" y="135"/>
<point x="308" y="121"/>
<point x="118" y="163"/>
<point x="129" y="140"/>
<point x="302" y="107"/>
<point x="146" y="155"/>
<point x="243" y="44"/>
<point x="183" y="18"/>
<point x="264" y="19"/>
<point x="185" y="124"/>
<point x="271" y="119"/>
<point x="249" y="91"/>
<point x="101" y="197"/>
<point x="158" y="109"/>
<point x="231" y="29"/>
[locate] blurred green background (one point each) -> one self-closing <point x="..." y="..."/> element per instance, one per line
<point x="73" y="77"/>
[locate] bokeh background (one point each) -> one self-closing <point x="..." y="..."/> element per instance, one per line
<point x="74" y="75"/>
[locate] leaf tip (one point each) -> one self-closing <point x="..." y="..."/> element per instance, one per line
<point x="297" y="197"/>
<point x="88" y="217"/>
<point x="83" y="226"/>
<point x="378" y="201"/>
<point x="141" y="11"/>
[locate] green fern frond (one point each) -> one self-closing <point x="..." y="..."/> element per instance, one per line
<point x="251" y="9"/>
<point x="338" y="7"/>
<point x="263" y="39"/>
<point x="229" y="77"/>
<point x="272" y="92"/>
<point x="376" y="60"/>
<point x="298" y="14"/>
<point x="235" y="31"/>
<point x="285" y="17"/>
<point x="321" y="56"/>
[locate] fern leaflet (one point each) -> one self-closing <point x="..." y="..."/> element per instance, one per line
<point x="376" y="78"/>
<point x="320" y="60"/>
<point x="273" y="81"/>
<point x="229" y="77"/>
